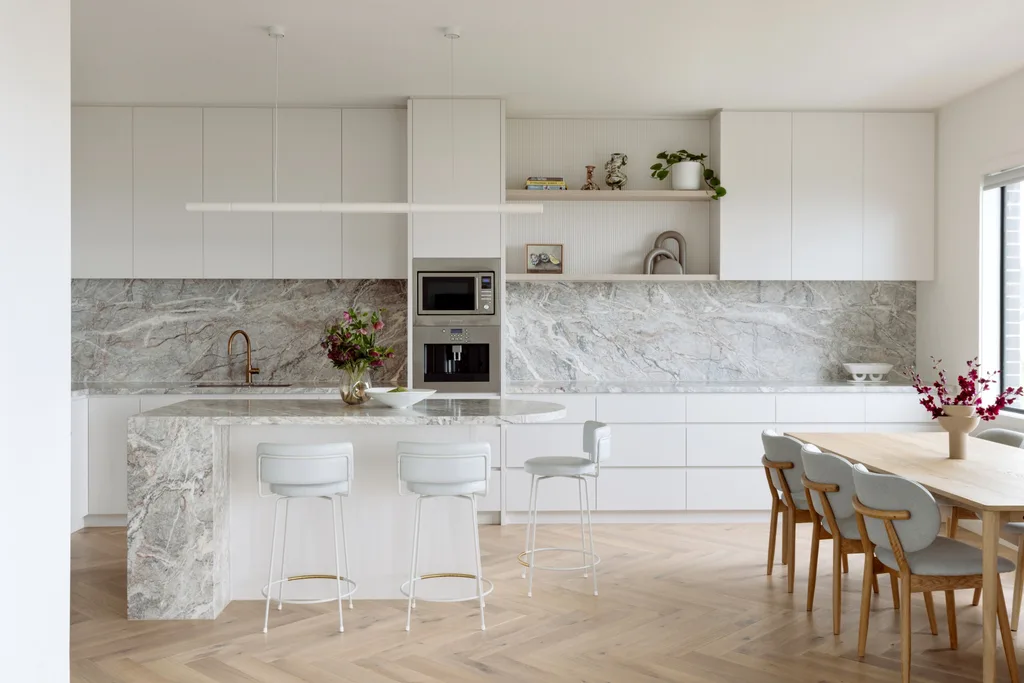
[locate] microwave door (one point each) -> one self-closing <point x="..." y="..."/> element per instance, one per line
<point x="448" y="293"/>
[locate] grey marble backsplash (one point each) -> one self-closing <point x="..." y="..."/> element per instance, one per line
<point x="706" y="331"/>
<point x="177" y="330"/>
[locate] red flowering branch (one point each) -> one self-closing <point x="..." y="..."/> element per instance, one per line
<point x="970" y="389"/>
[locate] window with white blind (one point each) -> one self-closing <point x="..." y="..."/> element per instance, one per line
<point x="1002" y="204"/>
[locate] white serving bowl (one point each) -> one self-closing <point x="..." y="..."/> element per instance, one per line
<point x="401" y="399"/>
<point x="868" y="372"/>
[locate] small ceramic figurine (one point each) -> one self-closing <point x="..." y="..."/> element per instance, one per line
<point x="590" y="184"/>
<point x="615" y="176"/>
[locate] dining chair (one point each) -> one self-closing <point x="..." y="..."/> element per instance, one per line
<point x="828" y="480"/>
<point x="899" y="520"/>
<point x="1007" y="437"/>
<point x="784" y="470"/>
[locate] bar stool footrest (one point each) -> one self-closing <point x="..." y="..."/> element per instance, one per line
<point x="594" y="559"/>
<point x="488" y="586"/>
<point x="352" y="585"/>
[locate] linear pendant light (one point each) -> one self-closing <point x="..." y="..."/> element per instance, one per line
<point x="277" y="32"/>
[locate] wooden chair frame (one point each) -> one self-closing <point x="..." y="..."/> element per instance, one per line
<point x="912" y="583"/>
<point x="791" y="516"/>
<point x="841" y="547"/>
<point x="953" y="525"/>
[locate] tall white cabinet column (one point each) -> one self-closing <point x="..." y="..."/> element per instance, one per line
<point x="456" y="157"/>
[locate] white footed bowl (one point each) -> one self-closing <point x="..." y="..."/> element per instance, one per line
<point x="868" y="372"/>
<point x="402" y="399"/>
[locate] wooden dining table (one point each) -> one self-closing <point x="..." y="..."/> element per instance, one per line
<point x="990" y="481"/>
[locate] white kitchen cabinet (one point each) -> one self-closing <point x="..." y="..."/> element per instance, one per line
<point x="733" y="408"/>
<point x="727" y="488"/>
<point x="899" y="196"/>
<point x="309" y="149"/>
<point x="644" y="408"/>
<point x="752" y="225"/>
<point x="828" y="196"/>
<point x="167" y="152"/>
<point x="724" y="445"/>
<point x="456" y="158"/>
<point x="646" y="445"/>
<point x="895" y="408"/>
<point x="101" y="192"/>
<point x="662" y="488"/>
<point x="237" y="166"/>
<point x="108" y="453"/>
<point x="523" y="442"/>
<point x="79" y="462"/>
<point x="819" y="408"/>
<point x="375" y="169"/>
<point x="558" y="494"/>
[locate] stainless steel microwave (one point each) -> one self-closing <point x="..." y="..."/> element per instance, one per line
<point x="457" y="290"/>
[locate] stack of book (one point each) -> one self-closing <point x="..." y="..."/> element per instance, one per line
<point x="545" y="183"/>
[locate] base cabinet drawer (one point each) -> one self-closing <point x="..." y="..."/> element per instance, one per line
<point x="643" y="408"/>
<point x="523" y="442"/>
<point x="647" y="445"/>
<point x="727" y="488"/>
<point x="642" y="488"/>
<point x="894" y="408"/>
<point x="557" y="494"/>
<point x="819" y="408"/>
<point x="725" y="445"/>
<point x="492" y="501"/>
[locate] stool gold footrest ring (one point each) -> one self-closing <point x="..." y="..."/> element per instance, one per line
<point x="591" y="559"/>
<point x="488" y="586"/>
<point x="353" y="587"/>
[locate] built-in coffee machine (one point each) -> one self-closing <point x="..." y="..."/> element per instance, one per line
<point x="456" y="335"/>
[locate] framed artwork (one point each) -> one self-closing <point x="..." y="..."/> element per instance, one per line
<point x="544" y="258"/>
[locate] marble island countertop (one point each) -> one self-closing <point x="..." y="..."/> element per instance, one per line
<point x="474" y="411"/>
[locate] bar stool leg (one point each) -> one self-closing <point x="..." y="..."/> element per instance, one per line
<point x="533" y="535"/>
<point x="479" y="563"/>
<point x="590" y="528"/>
<point x="337" y="565"/>
<point x="412" y="565"/>
<point x="284" y="548"/>
<point x="583" y="536"/>
<point x="344" y="542"/>
<point x="270" y="573"/>
<point x="529" y="522"/>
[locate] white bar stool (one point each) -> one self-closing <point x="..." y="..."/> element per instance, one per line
<point x="597" y="440"/>
<point x="306" y="471"/>
<point x="434" y="470"/>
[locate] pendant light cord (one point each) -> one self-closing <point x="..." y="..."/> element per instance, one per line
<point x="277" y="92"/>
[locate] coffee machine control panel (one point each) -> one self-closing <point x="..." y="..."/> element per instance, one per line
<point x="457" y="334"/>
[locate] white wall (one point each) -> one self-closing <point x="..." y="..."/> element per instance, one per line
<point x="980" y="133"/>
<point x="35" y="304"/>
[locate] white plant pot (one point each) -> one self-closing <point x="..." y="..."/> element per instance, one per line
<point x="687" y="175"/>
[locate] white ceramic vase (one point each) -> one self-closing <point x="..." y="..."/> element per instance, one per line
<point x="959" y="421"/>
<point x="686" y="175"/>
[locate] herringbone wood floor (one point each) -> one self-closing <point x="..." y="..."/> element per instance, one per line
<point x="687" y="603"/>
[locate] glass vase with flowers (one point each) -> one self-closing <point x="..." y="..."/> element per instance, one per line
<point x="351" y="346"/>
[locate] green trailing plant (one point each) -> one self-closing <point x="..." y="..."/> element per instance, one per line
<point x="661" y="170"/>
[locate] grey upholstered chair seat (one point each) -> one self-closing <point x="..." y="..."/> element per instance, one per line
<point x="560" y="466"/>
<point x="944" y="557"/>
<point x="337" y="488"/>
<point x="847" y="526"/>
<point x="1016" y="528"/>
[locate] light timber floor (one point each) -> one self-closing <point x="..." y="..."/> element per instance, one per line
<point x="688" y="603"/>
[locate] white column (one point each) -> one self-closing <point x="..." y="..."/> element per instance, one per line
<point x="35" y="336"/>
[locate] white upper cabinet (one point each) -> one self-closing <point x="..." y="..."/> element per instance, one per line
<point x="375" y="169"/>
<point x="101" y="192"/>
<point x="308" y="170"/>
<point x="167" y="173"/>
<point x="752" y="225"/>
<point x="828" y="204"/>
<point x="237" y="167"/>
<point x="456" y="158"/>
<point x="899" y="196"/>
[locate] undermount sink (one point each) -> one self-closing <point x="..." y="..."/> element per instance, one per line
<point x="235" y="385"/>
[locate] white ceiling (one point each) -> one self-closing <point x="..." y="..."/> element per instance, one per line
<point x="549" y="57"/>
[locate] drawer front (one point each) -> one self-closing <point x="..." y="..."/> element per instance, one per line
<point x="730" y="408"/>
<point x="894" y="408"/>
<point x="523" y="442"/>
<point x="492" y="501"/>
<point x="724" y="445"/>
<point x="557" y="494"/>
<point x="727" y="488"/>
<point x="647" y="445"/>
<point x="649" y="408"/>
<point x="643" y="488"/>
<point x="578" y="407"/>
<point x="819" y="408"/>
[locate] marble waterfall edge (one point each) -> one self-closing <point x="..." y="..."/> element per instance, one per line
<point x="707" y="331"/>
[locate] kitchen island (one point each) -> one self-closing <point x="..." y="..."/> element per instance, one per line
<point x="199" y="533"/>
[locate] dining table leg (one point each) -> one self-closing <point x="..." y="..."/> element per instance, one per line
<point x="990" y="585"/>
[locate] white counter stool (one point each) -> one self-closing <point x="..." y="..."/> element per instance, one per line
<point x="597" y="444"/>
<point x="306" y="471"/>
<point x="435" y="470"/>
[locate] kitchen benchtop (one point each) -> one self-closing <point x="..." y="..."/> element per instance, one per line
<point x="80" y="389"/>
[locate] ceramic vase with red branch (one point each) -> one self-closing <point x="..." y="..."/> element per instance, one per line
<point x="960" y="409"/>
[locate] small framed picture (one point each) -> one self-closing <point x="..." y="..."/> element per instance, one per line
<point x="544" y="258"/>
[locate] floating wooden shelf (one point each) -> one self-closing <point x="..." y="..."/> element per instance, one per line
<point x="608" y="195"/>
<point x="611" y="277"/>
